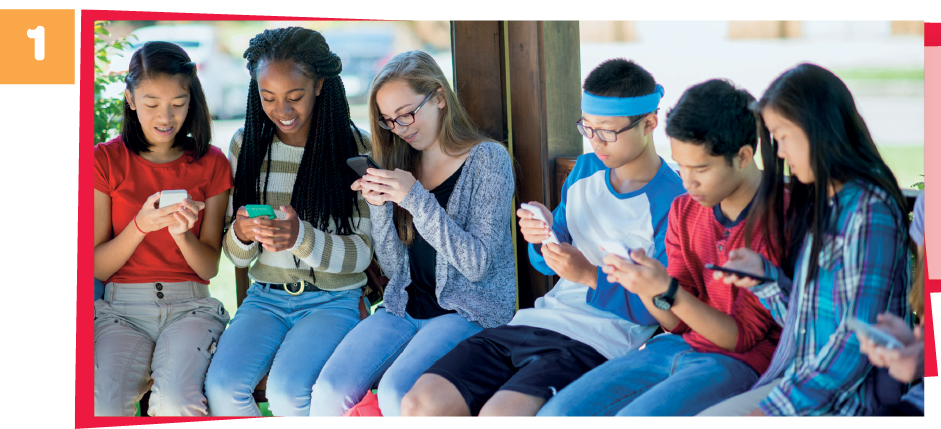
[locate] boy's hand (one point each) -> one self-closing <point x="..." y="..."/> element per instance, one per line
<point x="647" y="278"/>
<point x="570" y="264"/>
<point x="744" y="260"/>
<point x="535" y="231"/>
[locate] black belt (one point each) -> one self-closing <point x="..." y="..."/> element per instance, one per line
<point x="292" y="288"/>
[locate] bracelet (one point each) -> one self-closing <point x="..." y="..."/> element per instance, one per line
<point x="138" y="227"/>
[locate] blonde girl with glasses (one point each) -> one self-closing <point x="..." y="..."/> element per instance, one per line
<point x="441" y="211"/>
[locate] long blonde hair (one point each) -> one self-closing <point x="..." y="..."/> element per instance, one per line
<point x="457" y="134"/>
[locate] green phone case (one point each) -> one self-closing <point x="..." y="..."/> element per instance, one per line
<point x="255" y="210"/>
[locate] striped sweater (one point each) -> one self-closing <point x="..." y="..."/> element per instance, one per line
<point x="339" y="260"/>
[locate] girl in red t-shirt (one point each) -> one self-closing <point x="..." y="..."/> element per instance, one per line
<point x="156" y="319"/>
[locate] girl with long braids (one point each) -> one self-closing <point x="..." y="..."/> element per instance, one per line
<point x="441" y="208"/>
<point x="156" y="319"/>
<point x="845" y="236"/>
<point x="309" y="263"/>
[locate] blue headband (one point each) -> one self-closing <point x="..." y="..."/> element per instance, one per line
<point x="616" y="106"/>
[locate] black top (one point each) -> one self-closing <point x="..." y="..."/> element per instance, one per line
<point x="422" y="300"/>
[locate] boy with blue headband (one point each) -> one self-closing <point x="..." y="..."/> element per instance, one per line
<point x="720" y="336"/>
<point x="621" y="193"/>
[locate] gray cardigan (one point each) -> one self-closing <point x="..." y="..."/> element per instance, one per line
<point x="474" y="270"/>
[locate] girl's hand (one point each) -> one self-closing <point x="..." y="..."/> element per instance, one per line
<point x="371" y="197"/>
<point x="386" y="185"/>
<point x="276" y="235"/>
<point x="243" y="226"/>
<point x="186" y="216"/>
<point x="745" y="260"/>
<point x="534" y="231"/>
<point x="905" y="364"/>
<point x="150" y="218"/>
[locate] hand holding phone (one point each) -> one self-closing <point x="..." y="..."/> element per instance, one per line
<point x="615" y="247"/>
<point x="874" y="334"/>
<point x="258" y="210"/>
<point x="740" y="274"/>
<point x="169" y="198"/>
<point x="538" y="215"/>
<point x="361" y="163"/>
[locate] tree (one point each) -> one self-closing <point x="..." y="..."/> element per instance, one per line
<point x="108" y="111"/>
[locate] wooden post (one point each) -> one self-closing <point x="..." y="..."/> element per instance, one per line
<point x="533" y="67"/>
<point x="545" y="94"/>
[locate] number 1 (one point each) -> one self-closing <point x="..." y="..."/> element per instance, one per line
<point x="39" y="46"/>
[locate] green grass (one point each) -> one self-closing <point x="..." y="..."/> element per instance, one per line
<point x="906" y="162"/>
<point x="881" y="73"/>
<point x="222" y="286"/>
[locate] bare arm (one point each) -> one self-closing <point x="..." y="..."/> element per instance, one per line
<point x="649" y="278"/>
<point x="112" y="253"/>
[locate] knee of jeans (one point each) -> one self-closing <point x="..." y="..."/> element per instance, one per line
<point x="391" y="391"/>
<point x="331" y="396"/>
<point x="286" y="396"/>
<point x="226" y="393"/>
<point x="177" y="399"/>
<point x="109" y="406"/>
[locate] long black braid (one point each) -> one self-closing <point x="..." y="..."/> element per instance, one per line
<point x="322" y="188"/>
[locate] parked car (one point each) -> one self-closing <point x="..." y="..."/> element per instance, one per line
<point x="223" y="77"/>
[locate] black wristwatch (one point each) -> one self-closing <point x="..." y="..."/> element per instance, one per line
<point x="664" y="301"/>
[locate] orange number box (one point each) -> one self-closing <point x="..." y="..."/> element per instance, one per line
<point x="37" y="46"/>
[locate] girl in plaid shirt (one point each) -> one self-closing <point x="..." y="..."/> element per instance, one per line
<point x="846" y="249"/>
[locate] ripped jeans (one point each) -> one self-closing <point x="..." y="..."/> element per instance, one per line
<point x="164" y="331"/>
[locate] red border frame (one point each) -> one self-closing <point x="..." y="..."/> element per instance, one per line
<point x="932" y="38"/>
<point x="84" y="337"/>
<point x="932" y="34"/>
<point x="85" y="331"/>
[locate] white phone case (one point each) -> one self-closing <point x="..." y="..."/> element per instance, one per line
<point x="617" y="248"/>
<point x="537" y="214"/>
<point x="169" y="198"/>
<point x="875" y="334"/>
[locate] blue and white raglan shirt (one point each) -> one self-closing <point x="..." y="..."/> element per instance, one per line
<point x="610" y="319"/>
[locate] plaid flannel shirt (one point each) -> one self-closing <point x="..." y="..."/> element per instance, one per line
<point x="863" y="270"/>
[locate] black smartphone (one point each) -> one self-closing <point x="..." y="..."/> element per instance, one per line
<point x="738" y="273"/>
<point x="360" y="163"/>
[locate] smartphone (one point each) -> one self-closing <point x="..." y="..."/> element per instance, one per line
<point x="875" y="334"/>
<point x="617" y="248"/>
<point x="169" y="198"/>
<point x="257" y="210"/>
<point x="360" y="163"/>
<point x="537" y="214"/>
<point x="738" y="273"/>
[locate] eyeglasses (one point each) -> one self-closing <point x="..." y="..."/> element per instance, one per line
<point x="606" y="135"/>
<point x="404" y="119"/>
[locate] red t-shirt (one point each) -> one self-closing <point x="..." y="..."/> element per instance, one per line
<point x="129" y="180"/>
<point x="698" y="235"/>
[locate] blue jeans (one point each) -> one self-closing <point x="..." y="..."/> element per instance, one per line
<point x="401" y="347"/>
<point x="99" y="289"/>
<point x="666" y="378"/>
<point x="287" y="337"/>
